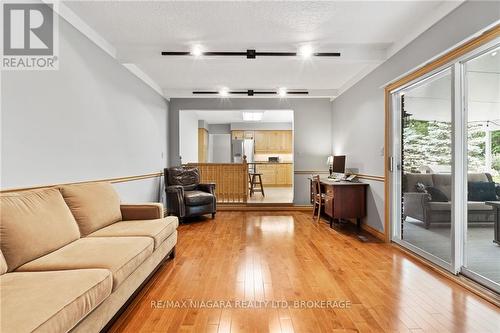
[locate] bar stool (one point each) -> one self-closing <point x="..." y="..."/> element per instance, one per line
<point x="255" y="178"/>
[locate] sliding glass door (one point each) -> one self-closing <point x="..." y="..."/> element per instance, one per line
<point x="424" y="162"/>
<point x="482" y="96"/>
<point x="445" y="165"/>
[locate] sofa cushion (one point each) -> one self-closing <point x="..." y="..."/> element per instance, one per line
<point x="442" y="181"/>
<point x="440" y="206"/>
<point x="3" y="264"/>
<point x="120" y="255"/>
<point x="197" y="198"/>
<point x="158" y="229"/>
<point x="475" y="205"/>
<point x="188" y="178"/>
<point x="412" y="179"/>
<point x="50" y="301"/>
<point x="436" y="194"/>
<point x="481" y="191"/>
<point x="34" y="223"/>
<point x="94" y="205"/>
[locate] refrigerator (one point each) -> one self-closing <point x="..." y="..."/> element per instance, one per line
<point x="240" y="148"/>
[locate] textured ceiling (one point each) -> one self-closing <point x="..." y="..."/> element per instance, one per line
<point x="365" y="33"/>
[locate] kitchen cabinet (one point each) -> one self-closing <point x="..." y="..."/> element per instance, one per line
<point x="202" y="145"/>
<point x="269" y="142"/>
<point x="241" y="135"/>
<point x="276" y="174"/>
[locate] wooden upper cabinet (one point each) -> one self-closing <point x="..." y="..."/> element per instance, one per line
<point x="269" y="142"/>
<point x="237" y="135"/>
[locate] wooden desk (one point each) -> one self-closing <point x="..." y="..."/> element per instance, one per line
<point x="343" y="200"/>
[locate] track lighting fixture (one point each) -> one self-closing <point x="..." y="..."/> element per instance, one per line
<point x="224" y="92"/>
<point x="305" y="52"/>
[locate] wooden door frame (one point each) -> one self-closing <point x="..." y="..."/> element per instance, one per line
<point x="448" y="57"/>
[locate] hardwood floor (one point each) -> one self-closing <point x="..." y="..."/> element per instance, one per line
<point x="286" y="256"/>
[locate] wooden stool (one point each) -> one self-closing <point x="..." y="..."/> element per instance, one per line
<point x="255" y="179"/>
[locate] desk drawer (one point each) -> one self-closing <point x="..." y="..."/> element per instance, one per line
<point x="329" y="191"/>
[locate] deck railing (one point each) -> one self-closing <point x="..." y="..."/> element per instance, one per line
<point x="231" y="180"/>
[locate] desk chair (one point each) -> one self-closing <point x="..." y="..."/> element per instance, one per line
<point x="318" y="197"/>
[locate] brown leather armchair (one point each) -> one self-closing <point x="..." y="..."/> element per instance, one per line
<point x="186" y="196"/>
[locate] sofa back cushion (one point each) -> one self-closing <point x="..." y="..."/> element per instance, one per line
<point x="442" y="181"/>
<point x="412" y="179"/>
<point x="189" y="178"/>
<point x="94" y="205"/>
<point x="478" y="177"/>
<point x="34" y="223"/>
<point x="3" y="264"/>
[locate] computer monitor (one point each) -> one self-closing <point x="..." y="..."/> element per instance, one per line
<point x="339" y="164"/>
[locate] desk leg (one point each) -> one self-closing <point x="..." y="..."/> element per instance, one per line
<point x="358" y="224"/>
<point x="331" y="222"/>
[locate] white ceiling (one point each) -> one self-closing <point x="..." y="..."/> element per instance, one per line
<point x="366" y="33"/>
<point x="235" y="116"/>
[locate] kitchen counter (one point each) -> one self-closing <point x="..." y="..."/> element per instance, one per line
<point x="266" y="162"/>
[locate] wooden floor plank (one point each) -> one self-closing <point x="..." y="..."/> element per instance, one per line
<point x="286" y="257"/>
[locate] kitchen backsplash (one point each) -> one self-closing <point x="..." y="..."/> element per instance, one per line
<point x="282" y="157"/>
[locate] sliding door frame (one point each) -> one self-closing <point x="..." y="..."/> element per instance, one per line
<point x="441" y="61"/>
<point x="455" y="60"/>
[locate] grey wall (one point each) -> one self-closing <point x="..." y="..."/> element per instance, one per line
<point x="219" y="128"/>
<point x="358" y="114"/>
<point x="91" y="119"/>
<point x="312" y="130"/>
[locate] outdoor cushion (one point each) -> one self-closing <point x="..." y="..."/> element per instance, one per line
<point x="436" y="194"/>
<point x="52" y="301"/>
<point x="34" y="223"/>
<point x="120" y="255"/>
<point x="158" y="229"/>
<point x="94" y="205"/>
<point x="481" y="191"/>
<point x="197" y="198"/>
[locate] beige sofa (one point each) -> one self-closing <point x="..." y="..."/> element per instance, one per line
<point x="72" y="256"/>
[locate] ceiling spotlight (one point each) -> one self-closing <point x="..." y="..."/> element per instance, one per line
<point x="305" y="51"/>
<point x="224" y="92"/>
<point x="282" y="92"/>
<point x="494" y="54"/>
<point x="196" y="51"/>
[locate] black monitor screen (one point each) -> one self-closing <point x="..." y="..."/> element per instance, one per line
<point x="339" y="164"/>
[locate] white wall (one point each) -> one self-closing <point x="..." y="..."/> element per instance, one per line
<point x="358" y="114"/>
<point x="188" y="137"/>
<point x="91" y="119"/>
<point x="312" y="130"/>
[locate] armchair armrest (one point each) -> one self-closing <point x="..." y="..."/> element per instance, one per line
<point x="175" y="200"/>
<point x="146" y="211"/>
<point x="208" y="187"/>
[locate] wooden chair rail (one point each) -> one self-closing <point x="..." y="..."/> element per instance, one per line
<point x="231" y="180"/>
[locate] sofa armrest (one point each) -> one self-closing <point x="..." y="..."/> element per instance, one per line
<point x="415" y="204"/>
<point x="146" y="211"/>
<point x="208" y="187"/>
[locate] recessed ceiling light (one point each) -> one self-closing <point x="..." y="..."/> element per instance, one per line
<point x="197" y="51"/>
<point x="305" y="51"/>
<point x="252" y="115"/>
<point x="494" y="54"/>
<point x="282" y="92"/>
<point x="224" y="92"/>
